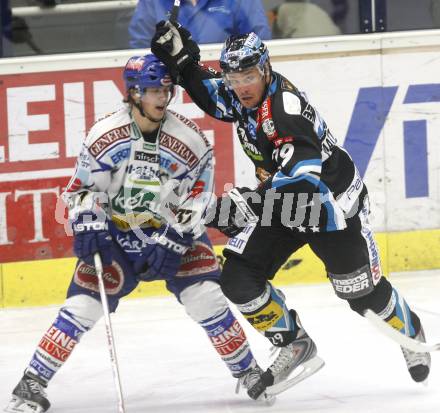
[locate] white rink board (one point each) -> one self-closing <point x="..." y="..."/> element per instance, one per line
<point x="332" y="85"/>
<point x="332" y="71"/>
<point x="408" y="69"/>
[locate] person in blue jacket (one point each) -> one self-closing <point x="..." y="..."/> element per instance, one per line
<point x="210" y="21"/>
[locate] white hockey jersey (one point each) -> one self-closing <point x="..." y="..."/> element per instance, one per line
<point x="139" y="183"/>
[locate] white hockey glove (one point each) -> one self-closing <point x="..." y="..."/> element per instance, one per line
<point x="231" y="213"/>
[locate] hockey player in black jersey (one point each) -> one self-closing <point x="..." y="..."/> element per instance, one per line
<point x="310" y="192"/>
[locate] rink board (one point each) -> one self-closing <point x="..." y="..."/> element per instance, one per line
<point x="34" y="283"/>
<point x="379" y="94"/>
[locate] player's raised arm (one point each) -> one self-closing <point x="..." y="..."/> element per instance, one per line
<point x="175" y="47"/>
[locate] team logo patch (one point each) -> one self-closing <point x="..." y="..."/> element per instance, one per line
<point x="57" y="344"/>
<point x="292" y="104"/>
<point x="146" y="157"/>
<point x="281" y="141"/>
<point x="264" y="118"/>
<point x="85" y="276"/>
<point x="353" y="285"/>
<point x="179" y="148"/>
<point x="199" y="259"/>
<point x="267" y="317"/>
<point x="106" y="140"/>
<point x="230" y="340"/>
<point x="135" y="64"/>
<point x="376" y="270"/>
<point x="269" y="128"/>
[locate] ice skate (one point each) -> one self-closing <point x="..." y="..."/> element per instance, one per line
<point x="256" y="390"/>
<point x="418" y="363"/>
<point x="29" y="396"/>
<point x="294" y="363"/>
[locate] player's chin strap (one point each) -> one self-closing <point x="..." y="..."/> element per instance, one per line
<point x="399" y="338"/>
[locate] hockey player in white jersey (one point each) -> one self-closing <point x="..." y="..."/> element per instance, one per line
<point x="142" y="183"/>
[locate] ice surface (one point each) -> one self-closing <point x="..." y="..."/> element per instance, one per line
<point x="168" y="365"/>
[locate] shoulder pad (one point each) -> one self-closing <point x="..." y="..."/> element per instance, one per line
<point x="291" y="103"/>
<point x="107" y="131"/>
<point x="288" y="86"/>
<point x="191" y="125"/>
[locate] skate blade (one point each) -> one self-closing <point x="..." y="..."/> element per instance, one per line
<point x="17" y="405"/>
<point x="269" y="399"/>
<point x="309" y="368"/>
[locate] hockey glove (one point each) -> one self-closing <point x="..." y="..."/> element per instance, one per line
<point x="232" y="213"/>
<point x="91" y="235"/>
<point x="188" y="43"/>
<point x="161" y="259"/>
<point x="174" y="47"/>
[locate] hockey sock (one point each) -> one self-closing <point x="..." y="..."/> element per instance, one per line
<point x="269" y="314"/>
<point x="399" y="316"/>
<point x="229" y="340"/>
<point x="56" y="346"/>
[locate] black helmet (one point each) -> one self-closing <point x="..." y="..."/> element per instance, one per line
<point x="242" y="52"/>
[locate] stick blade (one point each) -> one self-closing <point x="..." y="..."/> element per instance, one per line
<point x="398" y="337"/>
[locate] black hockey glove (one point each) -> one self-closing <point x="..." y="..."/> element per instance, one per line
<point x="188" y="43"/>
<point x="231" y="213"/>
<point x="174" y="46"/>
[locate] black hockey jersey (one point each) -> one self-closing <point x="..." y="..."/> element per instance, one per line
<point x="313" y="182"/>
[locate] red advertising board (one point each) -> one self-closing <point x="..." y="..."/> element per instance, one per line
<point x="43" y="118"/>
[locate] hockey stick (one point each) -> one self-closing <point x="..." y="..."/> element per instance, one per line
<point x="175" y="11"/>
<point x="398" y="337"/>
<point x="109" y="331"/>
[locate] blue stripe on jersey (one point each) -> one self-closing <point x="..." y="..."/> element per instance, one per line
<point x="331" y="215"/>
<point x="280" y="179"/>
<point x="326" y="199"/>
<point x="307" y="162"/>
<point x="272" y="87"/>
<point x="326" y="195"/>
<point x="222" y="110"/>
<point x="104" y="167"/>
<point x="113" y="146"/>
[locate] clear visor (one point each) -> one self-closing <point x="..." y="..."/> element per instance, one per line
<point x="158" y="95"/>
<point x="236" y="80"/>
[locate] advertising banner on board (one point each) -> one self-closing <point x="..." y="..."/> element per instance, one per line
<point x="384" y="109"/>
